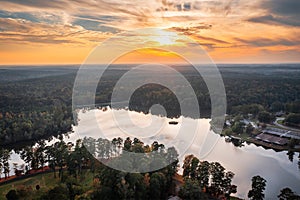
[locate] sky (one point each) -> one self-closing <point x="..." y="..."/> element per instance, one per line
<point x="230" y="31"/>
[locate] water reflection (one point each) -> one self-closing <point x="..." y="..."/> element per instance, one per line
<point x="290" y="155"/>
<point x="245" y="162"/>
<point x="280" y="169"/>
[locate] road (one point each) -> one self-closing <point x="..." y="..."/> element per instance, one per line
<point x="284" y="127"/>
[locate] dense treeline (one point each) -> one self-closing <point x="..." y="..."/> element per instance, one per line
<point x="72" y="161"/>
<point x="41" y="106"/>
<point x="35" y="109"/>
<point x="75" y="161"/>
<point x="29" y="127"/>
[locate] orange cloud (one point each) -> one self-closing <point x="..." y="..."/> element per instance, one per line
<point x="150" y="55"/>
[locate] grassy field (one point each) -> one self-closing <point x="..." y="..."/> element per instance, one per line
<point x="46" y="182"/>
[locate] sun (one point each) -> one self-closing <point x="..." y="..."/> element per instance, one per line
<point x="164" y="38"/>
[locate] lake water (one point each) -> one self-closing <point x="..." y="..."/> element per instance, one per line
<point x="245" y="162"/>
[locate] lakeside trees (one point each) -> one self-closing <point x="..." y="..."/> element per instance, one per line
<point x="205" y="177"/>
<point x="258" y="187"/>
<point x="201" y="179"/>
<point x="288" y="194"/>
<point x="116" y="184"/>
<point x="73" y="159"/>
<point x="158" y="184"/>
<point x="4" y="162"/>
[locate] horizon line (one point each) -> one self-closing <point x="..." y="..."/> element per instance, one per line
<point x="78" y="64"/>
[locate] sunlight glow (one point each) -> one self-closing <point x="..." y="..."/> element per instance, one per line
<point x="164" y="37"/>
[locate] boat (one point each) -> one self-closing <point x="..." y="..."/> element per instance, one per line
<point x="173" y="122"/>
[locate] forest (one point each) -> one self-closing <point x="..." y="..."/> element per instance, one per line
<point x="36" y="103"/>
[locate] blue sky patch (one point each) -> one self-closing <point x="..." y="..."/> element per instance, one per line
<point x="94" y="25"/>
<point x="18" y="15"/>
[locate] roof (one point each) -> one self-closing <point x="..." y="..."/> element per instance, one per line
<point x="272" y="139"/>
<point x="282" y="133"/>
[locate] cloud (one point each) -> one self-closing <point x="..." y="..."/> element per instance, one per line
<point x="120" y="15"/>
<point x="36" y="16"/>
<point x="16" y="25"/>
<point x="23" y="31"/>
<point x="276" y="20"/>
<point x="194" y="32"/>
<point x="51" y="4"/>
<point x="217" y="7"/>
<point x="124" y="9"/>
<point x="266" y="42"/>
<point x="215" y="24"/>
<point x="278" y="12"/>
<point x="211" y="39"/>
<point x="10" y="37"/>
<point x="188" y="30"/>
<point x="284" y="8"/>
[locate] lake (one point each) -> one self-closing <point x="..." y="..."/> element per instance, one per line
<point x="245" y="162"/>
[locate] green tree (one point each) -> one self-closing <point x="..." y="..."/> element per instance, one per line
<point x="238" y="127"/>
<point x="258" y="187"/>
<point x="114" y="146"/>
<point x="110" y="182"/>
<point x="60" y="153"/>
<point x="191" y="190"/>
<point x="203" y="174"/>
<point x="127" y="144"/>
<point x="90" y="145"/>
<point x="27" y="155"/>
<point x="119" y="144"/>
<point x="265" y="117"/>
<point x="104" y="148"/>
<point x="40" y="154"/>
<point x="249" y="129"/>
<point x="217" y="172"/>
<point x="136" y="185"/>
<point x="288" y="194"/>
<point x="187" y="166"/>
<point x="100" y="148"/>
<point x="227" y="187"/>
<point x="172" y="168"/>
<point x="277" y="106"/>
<point x="293" y="107"/>
<point x="292" y="119"/>
<point x="158" y="186"/>
<point x="50" y="152"/>
<point x="5" y="158"/>
<point x="228" y="131"/>
<point x="137" y="146"/>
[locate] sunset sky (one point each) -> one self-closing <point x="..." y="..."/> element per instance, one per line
<point x="231" y="31"/>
